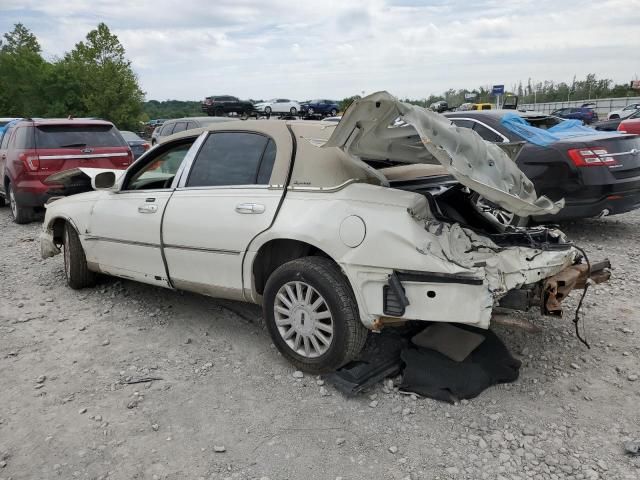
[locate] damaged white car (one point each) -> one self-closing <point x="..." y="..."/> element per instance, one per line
<point x="335" y="229"/>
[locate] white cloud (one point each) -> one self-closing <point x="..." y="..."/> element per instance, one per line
<point x="329" y="48"/>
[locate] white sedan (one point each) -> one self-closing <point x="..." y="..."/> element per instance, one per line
<point x="624" y="112"/>
<point x="298" y="217"/>
<point x="278" y="105"/>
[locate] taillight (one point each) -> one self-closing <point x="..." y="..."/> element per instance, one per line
<point x="591" y="157"/>
<point x="31" y="161"/>
<point x="130" y="157"/>
<point x="146" y="146"/>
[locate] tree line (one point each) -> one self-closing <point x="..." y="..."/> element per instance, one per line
<point x="94" y="79"/>
<point x="589" y="88"/>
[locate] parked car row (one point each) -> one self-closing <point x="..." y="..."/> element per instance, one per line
<point x="223" y="105"/>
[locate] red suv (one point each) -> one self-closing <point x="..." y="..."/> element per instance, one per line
<point x="32" y="150"/>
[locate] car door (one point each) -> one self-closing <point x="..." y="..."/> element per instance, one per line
<point x="123" y="234"/>
<point x="220" y="205"/>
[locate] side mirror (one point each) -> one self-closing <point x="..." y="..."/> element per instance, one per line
<point x="104" y="181"/>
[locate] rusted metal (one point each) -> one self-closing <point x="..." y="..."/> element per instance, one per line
<point x="558" y="287"/>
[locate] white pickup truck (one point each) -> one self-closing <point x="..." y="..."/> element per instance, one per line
<point x="335" y="229"/>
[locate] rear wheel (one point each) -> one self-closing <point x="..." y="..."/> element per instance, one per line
<point x="267" y="110"/>
<point x="312" y="315"/>
<point x="20" y="214"/>
<point x="333" y="112"/>
<point x="76" y="270"/>
<point x="293" y="111"/>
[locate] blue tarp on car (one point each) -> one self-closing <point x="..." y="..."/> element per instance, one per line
<point x="538" y="136"/>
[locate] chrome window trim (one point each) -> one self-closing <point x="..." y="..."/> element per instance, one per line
<point x="90" y="155"/>
<point x="330" y="189"/>
<point x="504" y="139"/>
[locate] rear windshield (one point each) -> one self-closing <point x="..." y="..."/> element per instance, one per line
<point x="66" y="136"/>
<point x="544" y="122"/>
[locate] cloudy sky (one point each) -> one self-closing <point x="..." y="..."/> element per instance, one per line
<point x="189" y="49"/>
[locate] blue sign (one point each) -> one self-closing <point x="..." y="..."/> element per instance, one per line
<point x="497" y="90"/>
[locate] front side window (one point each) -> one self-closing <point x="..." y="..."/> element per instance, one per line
<point x="180" y="127"/>
<point x="5" y="138"/>
<point x="160" y="170"/>
<point x="167" y="129"/>
<point x="233" y="158"/>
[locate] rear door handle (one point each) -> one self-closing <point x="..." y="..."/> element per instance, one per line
<point x="147" y="208"/>
<point x="250" y="208"/>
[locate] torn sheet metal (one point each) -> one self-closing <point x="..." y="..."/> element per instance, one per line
<point x="379" y="127"/>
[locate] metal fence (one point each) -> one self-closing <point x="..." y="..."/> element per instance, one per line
<point x="602" y="105"/>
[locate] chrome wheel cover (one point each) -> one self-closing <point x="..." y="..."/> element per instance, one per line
<point x="12" y="203"/>
<point x="303" y="319"/>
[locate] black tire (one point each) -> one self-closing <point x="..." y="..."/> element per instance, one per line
<point x="324" y="276"/>
<point x="333" y="112"/>
<point x="293" y="111"/>
<point x="2" y="202"/>
<point x="76" y="270"/>
<point x="20" y="213"/>
<point x="267" y="111"/>
<point x="218" y="112"/>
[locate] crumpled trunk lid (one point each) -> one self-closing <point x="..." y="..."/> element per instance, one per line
<point x="379" y="127"/>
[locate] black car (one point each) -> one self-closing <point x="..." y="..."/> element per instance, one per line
<point x="320" y="107"/>
<point x="138" y="145"/>
<point x="596" y="174"/>
<point x="221" y="105"/>
<point x="613" y="124"/>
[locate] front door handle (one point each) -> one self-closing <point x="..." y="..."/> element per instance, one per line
<point x="250" y="208"/>
<point x="147" y="208"/>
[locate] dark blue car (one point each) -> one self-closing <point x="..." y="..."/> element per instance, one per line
<point x="322" y="108"/>
<point x="584" y="113"/>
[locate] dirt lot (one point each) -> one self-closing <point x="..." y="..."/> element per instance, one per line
<point x="67" y="412"/>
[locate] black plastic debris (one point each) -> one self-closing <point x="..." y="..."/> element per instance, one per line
<point x="379" y="359"/>
<point x="426" y="371"/>
<point x="432" y="374"/>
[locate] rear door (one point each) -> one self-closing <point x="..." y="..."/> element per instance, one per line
<point x="221" y="204"/>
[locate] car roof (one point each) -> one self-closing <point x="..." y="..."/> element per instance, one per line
<point x="64" y="121"/>
<point x="200" y="119"/>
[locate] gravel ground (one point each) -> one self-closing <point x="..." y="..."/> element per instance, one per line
<point x="226" y="405"/>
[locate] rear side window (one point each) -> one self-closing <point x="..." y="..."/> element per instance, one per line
<point x="233" y="158"/>
<point x="487" y="134"/>
<point x="463" y="123"/>
<point x="70" y="136"/>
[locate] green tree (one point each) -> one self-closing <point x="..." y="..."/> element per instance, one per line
<point x="344" y="103"/>
<point x="23" y="73"/>
<point x="103" y="84"/>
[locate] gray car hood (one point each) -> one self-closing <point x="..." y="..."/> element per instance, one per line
<point x="379" y="127"/>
